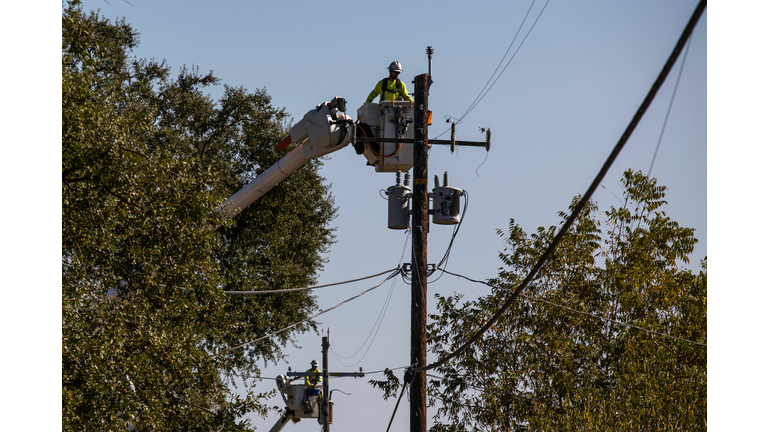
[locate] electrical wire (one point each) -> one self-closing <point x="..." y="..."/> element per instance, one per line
<point x="394" y="273"/>
<point x="612" y="320"/>
<point x="669" y="109"/>
<point x="308" y="288"/>
<point x="580" y="312"/>
<point x="486" y="88"/>
<point x="405" y="386"/>
<point x="379" y="319"/>
<point x="444" y="259"/>
<point x="396" y="405"/>
<point x="374" y="331"/>
<point x="384" y="370"/>
<point x="508" y="62"/>
<point x="474" y="103"/>
<point x="599" y="178"/>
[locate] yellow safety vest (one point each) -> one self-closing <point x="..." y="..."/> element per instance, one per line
<point x="312" y="380"/>
<point x="389" y="90"/>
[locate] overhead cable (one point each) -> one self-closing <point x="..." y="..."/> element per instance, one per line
<point x="477" y="101"/>
<point x="393" y="274"/>
<point x="500" y="61"/>
<point x="487" y="88"/>
<point x="384" y="370"/>
<point x="444" y="259"/>
<point x="595" y="183"/>
<point x="405" y="385"/>
<point x="669" y="108"/>
<point x="374" y="332"/>
<point x="582" y="312"/>
<point x="612" y="320"/>
<point x="307" y="288"/>
<point x="379" y="320"/>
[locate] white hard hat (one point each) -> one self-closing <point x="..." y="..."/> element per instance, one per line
<point x="395" y="66"/>
<point x="314" y="363"/>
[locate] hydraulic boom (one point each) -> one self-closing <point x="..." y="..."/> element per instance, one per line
<point x="323" y="130"/>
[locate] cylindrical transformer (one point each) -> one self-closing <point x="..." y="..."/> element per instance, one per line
<point x="446" y="203"/>
<point x="399" y="205"/>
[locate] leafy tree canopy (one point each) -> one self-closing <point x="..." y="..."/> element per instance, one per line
<point x="563" y="357"/>
<point x="147" y="159"/>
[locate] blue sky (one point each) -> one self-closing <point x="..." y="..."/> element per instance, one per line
<point x="556" y="112"/>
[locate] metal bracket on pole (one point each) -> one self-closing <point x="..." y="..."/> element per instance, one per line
<point x="485" y="144"/>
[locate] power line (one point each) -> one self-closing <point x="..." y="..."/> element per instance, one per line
<point x="612" y="320"/>
<point x="446" y="255"/>
<point x="500" y="61"/>
<point x="474" y="104"/>
<point x="379" y="319"/>
<point x="669" y="109"/>
<point x="393" y="274"/>
<point x="384" y="370"/>
<point x="374" y="331"/>
<point x="484" y="91"/>
<point x="396" y="405"/>
<point x="581" y="312"/>
<point x="308" y="288"/>
<point x="405" y="385"/>
<point x="595" y="183"/>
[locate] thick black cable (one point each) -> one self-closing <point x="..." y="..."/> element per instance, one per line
<point x="595" y="183"/>
<point x="396" y="405"/>
<point x="444" y="260"/>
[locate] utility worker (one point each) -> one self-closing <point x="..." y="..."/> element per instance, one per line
<point x="313" y="381"/>
<point x="391" y="88"/>
<point x="311" y="384"/>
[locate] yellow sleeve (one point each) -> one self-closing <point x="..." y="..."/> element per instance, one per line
<point x="376" y="91"/>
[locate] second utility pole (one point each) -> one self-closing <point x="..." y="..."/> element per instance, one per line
<point x="419" y="227"/>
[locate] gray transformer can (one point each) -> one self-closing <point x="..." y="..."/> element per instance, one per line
<point x="399" y="205"/>
<point x="446" y="203"/>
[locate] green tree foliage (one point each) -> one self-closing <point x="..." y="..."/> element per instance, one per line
<point x="547" y="367"/>
<point x="146" y="161"/>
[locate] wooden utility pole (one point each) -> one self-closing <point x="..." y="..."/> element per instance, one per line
<point x="326" y="395"/>
<point x="419" y="226"/>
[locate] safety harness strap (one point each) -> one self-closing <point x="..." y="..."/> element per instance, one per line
<point x="398" y="89"/>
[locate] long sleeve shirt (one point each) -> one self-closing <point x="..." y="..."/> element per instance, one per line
<point x="310" y="381"/>
<point x="394" y="90"/>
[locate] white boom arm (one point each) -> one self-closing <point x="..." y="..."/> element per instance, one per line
<point x="323" y="130"/>
<point x="282" y="421"/>
<point x="299" y="404"/>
